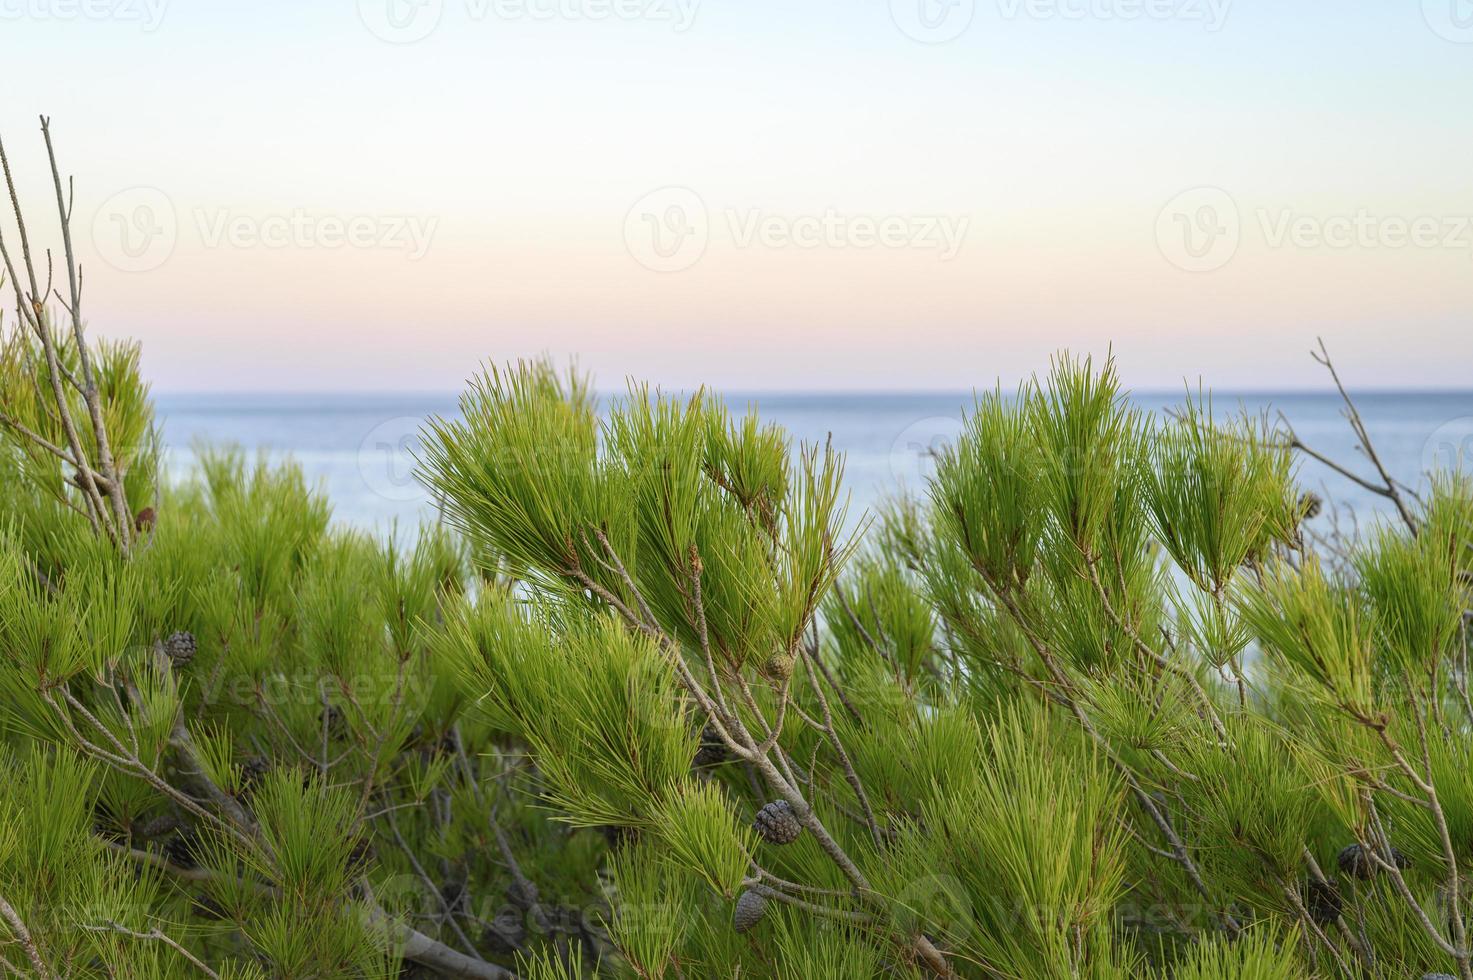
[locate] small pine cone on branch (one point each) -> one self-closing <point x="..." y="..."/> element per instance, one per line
<point x="144" y="520"/>
<point x="1310" y="505"/>
<point x="750" y="908"/>
<point x="251" y="773"/>
<point x="180" y="849"/>
<point x="1354" y="861"/>
<point x="360" y="856"/>
<point x="1323" y="901"/>
<point x="618" y="837"/>
<point x="180" y="648"/>
<point x="777" y="823"/>
<point x="713" y="750"/>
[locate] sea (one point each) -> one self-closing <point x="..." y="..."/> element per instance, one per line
<point x="359" y="449"/>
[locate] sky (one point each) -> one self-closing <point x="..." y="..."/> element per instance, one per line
<point x="758" y="194"/>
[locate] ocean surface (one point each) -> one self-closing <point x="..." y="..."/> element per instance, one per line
<point x="359" y="448"/>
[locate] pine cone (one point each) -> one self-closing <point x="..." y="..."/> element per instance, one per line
<point x="207" y="908"/>
<point x="360" y="855"/>
<point x="1309" y="505"/>
<point x="453" y="893"/>
<point x="1358" y="864"/>
<point x="251" y="773"/>
<point x="777" y="823"/>
<point x="618" y="837"/>
<point x="750" y="908"/>
<point x="1323" y="900"/>
<point x="144" y="520"/>
<point x="180" y="849"/>
<point x="780" y="666"/>
<point x="180" y="648"/>
<point x="333" y="717"/>
<point x="712" y="751"/>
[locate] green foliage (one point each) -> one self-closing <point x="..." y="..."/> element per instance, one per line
<point x="1218" y="495"/>
<point x="1094" y="705"/>
<point x="1318" y="626"/>
<point x="1261" y="955"/>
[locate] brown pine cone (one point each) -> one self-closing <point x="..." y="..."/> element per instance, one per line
<point x="618" y="837"/>
<point x="777" y="823"/>
<point x="180" y="648"/>
<point x="1309" y="505"/>
<point x="360" y="855"/>
<point x="750" y="908"/>
<point x="144" y="520"/>
<point x="181" y="849"/>
<point x="713" y="751"/>
<point x="1323" y="900"/>
<point x="1354" y="861"/>
<point x="251" y="773"/>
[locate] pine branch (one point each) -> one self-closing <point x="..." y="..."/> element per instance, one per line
<point x="18" y="926"/>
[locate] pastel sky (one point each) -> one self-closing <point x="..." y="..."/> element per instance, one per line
<point x="794" y="194"/>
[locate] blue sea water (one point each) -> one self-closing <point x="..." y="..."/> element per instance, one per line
<point x="359" y="447"/>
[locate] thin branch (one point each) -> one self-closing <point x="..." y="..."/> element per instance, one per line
<point x="155" y="935"/>
<point x="89" y="391"/>
<point x="18" y="926"/>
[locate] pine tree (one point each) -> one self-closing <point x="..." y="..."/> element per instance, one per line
<point x="1101" y="701"/>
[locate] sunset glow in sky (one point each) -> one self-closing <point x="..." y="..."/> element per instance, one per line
<point x="832" y="194"/>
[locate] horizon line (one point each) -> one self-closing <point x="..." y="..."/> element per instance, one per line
<point x="802" y="392"/>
